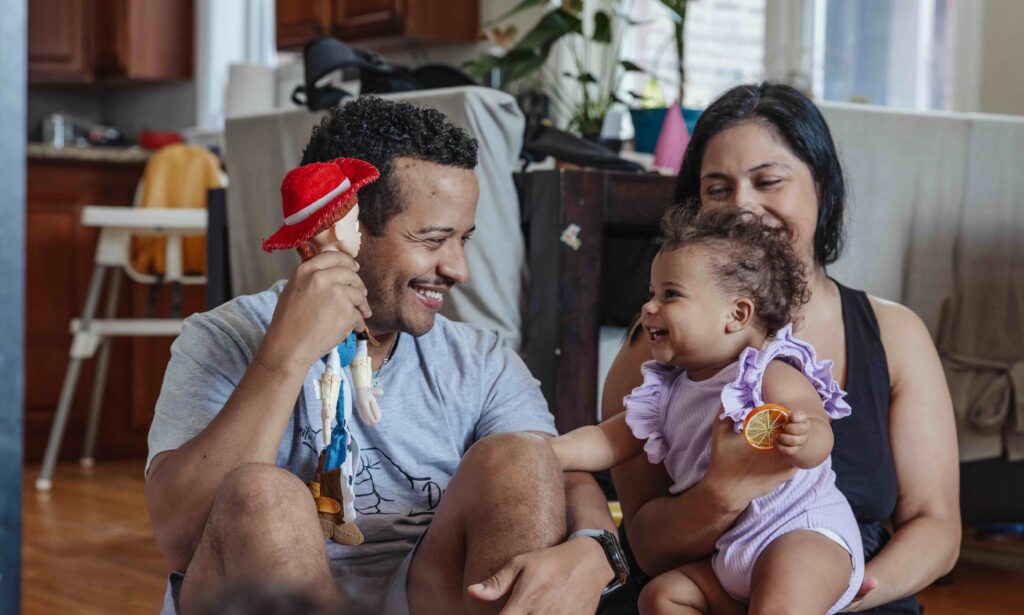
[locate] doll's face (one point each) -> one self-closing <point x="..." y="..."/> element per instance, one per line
<point x="344" y="236"/>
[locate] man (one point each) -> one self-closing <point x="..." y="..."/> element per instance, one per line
<point x="459" y="447"/>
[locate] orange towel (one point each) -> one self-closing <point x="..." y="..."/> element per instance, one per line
<point x="176" y="176"/>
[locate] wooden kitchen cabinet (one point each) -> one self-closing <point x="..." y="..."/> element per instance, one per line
<point x="437" y="21"/>
<point x="59" y="264"/>
<point x="299" y="21"/>
<point x="85" y="41"/>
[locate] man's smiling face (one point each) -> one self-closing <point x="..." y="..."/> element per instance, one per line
<point x="410" y="268"/>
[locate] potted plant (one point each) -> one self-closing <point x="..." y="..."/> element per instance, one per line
<point x="596" y="68"/>
<point x="649" y="115"/>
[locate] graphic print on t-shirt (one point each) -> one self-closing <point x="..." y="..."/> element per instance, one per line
<point x="382" y="487"/>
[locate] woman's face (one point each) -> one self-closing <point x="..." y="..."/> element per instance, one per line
<point x="750" y="167"/>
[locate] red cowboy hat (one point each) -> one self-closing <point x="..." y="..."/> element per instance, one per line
<point x="312" y="192"/>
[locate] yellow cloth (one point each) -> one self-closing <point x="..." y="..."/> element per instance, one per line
<point x="176" y="176"/>
<point x="616" y="511"/>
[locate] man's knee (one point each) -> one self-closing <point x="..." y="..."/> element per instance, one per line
<point x="515" y="454"/>
<point x="261" y="493"/>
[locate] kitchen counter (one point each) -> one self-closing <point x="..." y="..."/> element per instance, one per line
<point x="120" y="155"/>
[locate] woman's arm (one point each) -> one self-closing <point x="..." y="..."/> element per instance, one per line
<point x="666" y="531"/>
<point x="922" y="433"/>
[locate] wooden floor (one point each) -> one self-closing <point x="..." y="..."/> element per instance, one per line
<point x="88" y="548"/>
<point x="87" y="545"/>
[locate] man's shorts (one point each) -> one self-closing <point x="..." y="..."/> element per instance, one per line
<point x="395" y="599"/>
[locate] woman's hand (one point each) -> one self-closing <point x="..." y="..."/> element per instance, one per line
<point x="738" y="473"/>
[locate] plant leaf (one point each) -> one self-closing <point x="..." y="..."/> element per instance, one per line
<point x="481" y="66"/>
<point x="631" y="67"/>
<point x="549" y="29"/>
<point x="602" y="28"/>
<point x="677" y="7"/>
<point x="573" y="6"/>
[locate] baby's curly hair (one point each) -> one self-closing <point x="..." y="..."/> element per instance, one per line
<point x="752" y="255"/>
<point x="378" y="131"/>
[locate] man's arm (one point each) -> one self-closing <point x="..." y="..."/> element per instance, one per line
<point x="579" y="565"/>
<point x="322" y="303"/>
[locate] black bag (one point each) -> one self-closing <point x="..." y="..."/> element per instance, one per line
<point x="325" y="55"/>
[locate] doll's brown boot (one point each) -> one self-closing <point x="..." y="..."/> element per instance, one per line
<point x="326" y="490"/>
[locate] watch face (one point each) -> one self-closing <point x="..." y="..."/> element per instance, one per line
<point x="616" y="558"/>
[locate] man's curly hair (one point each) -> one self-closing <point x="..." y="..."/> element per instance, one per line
<point x="752" y="258"/>
<point x="378" y="131"/>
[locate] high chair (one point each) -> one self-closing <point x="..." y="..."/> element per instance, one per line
<point x="113" y="252"/>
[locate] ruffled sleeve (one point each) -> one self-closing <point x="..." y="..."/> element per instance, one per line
<point x="744" y="393"/>
<point x="643" y="408"/>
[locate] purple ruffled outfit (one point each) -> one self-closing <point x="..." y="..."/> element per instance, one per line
<point x="675" y="415"/>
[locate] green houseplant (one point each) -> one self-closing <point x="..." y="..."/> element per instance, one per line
<point x="594" y="48"/>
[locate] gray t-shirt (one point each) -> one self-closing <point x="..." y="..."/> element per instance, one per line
<point x="443" y="391"/>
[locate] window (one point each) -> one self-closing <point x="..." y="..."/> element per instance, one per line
<point x="884" y="52"/>
<point x="919" y="54"/>
<point x="724" y="46"/>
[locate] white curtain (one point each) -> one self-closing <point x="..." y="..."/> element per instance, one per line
<point x="229" y="32"/>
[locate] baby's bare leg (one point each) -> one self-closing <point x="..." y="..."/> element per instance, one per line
<point x="691" y="588"/>
<point x="799" y="572"/>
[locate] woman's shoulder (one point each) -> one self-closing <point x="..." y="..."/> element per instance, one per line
<point x="903" y="333"/>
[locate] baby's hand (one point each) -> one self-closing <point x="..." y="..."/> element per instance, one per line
<point x="794" y="434"/>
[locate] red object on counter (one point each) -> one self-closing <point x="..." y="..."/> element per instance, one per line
<point x="155" y="139"/>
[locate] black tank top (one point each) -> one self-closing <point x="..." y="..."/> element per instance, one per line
<point x="861" y="456"/>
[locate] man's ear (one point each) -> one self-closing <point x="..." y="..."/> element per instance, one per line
<point x="740" y="315"/>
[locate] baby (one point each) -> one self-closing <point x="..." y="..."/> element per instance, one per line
<point x="724" y="289"/>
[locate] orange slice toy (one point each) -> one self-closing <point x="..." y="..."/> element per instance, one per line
<point x="763" y="425"/>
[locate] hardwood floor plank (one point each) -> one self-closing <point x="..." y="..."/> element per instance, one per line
<point x="88" y="548"/>
<point x="88" y="545"/>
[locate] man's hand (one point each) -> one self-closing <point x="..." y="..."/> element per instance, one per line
<point x="567" y="578"/>
<point x="323" y="302"/>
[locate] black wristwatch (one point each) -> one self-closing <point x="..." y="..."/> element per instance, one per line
<point x="616" y="558"/>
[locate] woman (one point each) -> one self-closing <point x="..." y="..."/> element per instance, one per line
<point x="767" y="148"/>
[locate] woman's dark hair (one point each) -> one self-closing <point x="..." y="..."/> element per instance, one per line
<point x="750" y="257"/>
<point x="794" y="118"/>
<point x="378" y="131"/>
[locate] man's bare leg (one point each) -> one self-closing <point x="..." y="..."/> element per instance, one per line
<point x="506" y="498"/>
<point x="263" y="529"/>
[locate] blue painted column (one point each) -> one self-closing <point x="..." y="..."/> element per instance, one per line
<point x="13" y="46"/>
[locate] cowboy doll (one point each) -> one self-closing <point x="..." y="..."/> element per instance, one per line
<point x="321" y="214"/>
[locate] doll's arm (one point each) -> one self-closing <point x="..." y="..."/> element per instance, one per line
<point x="362" y="381"/>
<point x="330" y="389"/>
<point x="597" y="447"/>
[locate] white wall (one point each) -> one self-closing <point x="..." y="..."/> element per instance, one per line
<point x="1002" y="78"/>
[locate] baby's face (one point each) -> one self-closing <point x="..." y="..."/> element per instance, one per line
<point x="686" y="317"/>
